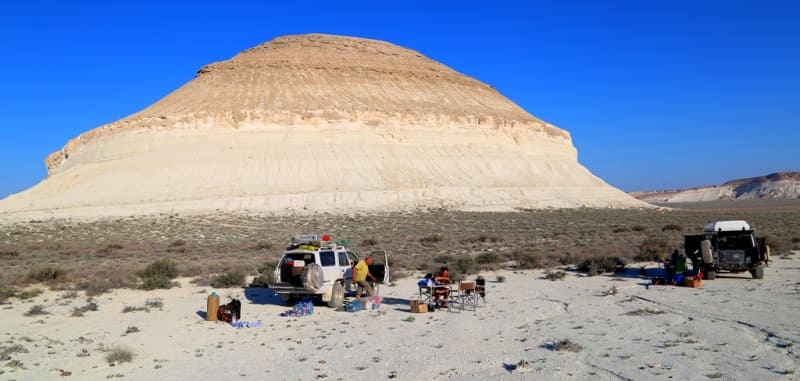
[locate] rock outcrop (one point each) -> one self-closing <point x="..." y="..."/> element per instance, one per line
<point x="321" y="123"/>
<point x="775" y="186"/>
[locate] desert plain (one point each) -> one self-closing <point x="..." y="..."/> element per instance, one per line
<point x="73" y="306"/>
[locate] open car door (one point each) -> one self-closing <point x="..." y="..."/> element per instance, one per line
<point x="380" y="266"/>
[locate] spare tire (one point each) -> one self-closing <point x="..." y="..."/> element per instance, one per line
<point x="312" y="276"/>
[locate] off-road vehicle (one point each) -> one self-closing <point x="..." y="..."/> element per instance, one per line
<point x="728" y="246"/>
<point x="314" y="266"/>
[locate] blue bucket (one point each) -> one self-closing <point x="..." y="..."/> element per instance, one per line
<point x="678" y="278"/>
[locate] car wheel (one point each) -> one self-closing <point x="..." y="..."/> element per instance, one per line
<point x="758" y="272"/>
<point x="337" y="296"/>
<point x="711" y="275"/>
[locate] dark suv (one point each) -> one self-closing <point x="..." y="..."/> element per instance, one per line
<point x="728" y="246"/>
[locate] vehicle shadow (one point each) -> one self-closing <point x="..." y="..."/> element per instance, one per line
<point x="262" y="295"/>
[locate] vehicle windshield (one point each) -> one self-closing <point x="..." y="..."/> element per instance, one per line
<point x="735" y="241"/>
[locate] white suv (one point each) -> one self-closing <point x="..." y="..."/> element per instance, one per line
<point x="314" y="266"/>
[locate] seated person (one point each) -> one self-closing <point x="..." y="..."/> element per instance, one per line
<point x="676" y="265"/>
<point x="440" y="294"/>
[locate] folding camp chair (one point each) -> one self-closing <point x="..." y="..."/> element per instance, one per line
<point x="465" y="296"/>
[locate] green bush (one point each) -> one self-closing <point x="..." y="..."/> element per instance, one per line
<point x="152" y="283"/>
<point x="229" y="279"/>
<point x="162" y="268"/>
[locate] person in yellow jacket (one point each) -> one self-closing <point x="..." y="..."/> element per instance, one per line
<point x="360" y="275"/>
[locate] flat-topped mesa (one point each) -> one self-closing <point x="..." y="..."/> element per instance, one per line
<point x="320" y="80"/>
<point x="320" y="123"/>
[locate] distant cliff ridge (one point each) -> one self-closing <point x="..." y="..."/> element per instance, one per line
<point x="780" y="185"/>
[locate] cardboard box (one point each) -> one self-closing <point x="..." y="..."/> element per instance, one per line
<point x="418" y="307"/>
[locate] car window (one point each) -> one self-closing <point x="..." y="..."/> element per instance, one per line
<point x="327" y="258"/>
<point x="342" y="258"/>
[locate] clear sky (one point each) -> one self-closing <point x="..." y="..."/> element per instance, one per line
<point x="656" y="94"/>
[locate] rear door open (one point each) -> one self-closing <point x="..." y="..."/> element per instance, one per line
<point x="380" y="266"/>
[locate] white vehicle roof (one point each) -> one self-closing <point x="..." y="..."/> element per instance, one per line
<point x="726" y="226"/>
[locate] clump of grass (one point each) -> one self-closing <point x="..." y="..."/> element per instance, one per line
<point x="565" y="345"/>
<point x="10" y="350"/>
<point x="229" y="279"/>
<point x="638" y="228"/>
<point x="610" y="291"/>
<point x="154" y="303"/>
<point x="645" y="311"/>
<point x="500" y="279"/>
<point x="159" y="274"/>
<point x="554" y="275"/>
<point x="36" y="310"/>
<point x="91" y="305"/>
<point x="409" y="319"/>
<point x="118" y="355"/>
<point x="47" y="274"/>
<point x="131" y="329"/>
<point x="672" y="227"/>
<point x="29" y="294"/>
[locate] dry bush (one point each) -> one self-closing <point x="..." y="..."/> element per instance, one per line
<point x="672" y="227"/>
<point x="50" y="275"/>
<point x="118" y="355"/>
<point x="597" y="266"/>
<point x="526" y="259"/>
<point x="369" y="242"/>
<point x="652" y="248"/>
<point x="565" y="345"/>
<point x="261" y="245"/>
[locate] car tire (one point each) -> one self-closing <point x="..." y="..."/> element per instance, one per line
<point x="758" y="272"/>
<point x="337" y="296"/>
<point x="710" y="275"/>
<point x="312" y="276"/>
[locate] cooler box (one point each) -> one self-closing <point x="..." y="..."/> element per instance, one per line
<point x="418" y="307"/>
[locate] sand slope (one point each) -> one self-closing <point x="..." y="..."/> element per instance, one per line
<point x="732" y="328"/>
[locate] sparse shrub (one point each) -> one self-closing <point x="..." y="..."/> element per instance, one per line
<point x="266" y="275"/>
<point x="638" y="228"/>
<point x="463" y="266"/>
<point x="431" y="239"/>
<point x="526" y="260"/>
<point x="621" y="229"/>
<point x="488" y="258"/>
<point x="9" y="254"/>
<point x="500" y="279"/>
<point x="47" y="274"/>
<point x="261" y="245"/>
<point x="369" y="242"/>
<point x="6" y="293"/>
<point x="554" y="275"/>
<point x="36" y="310"/>
<point x="776" y="244"/>
<point x="177" y="246"/>
<point x="118" y="355"/>
<point x="601" y="265"/>
<point x="131" y="329"/>
<point x="672" y="227"/>
<point x="177" y="243"/>
<point x="229" y="279"/>
<point x="645" y="311"/>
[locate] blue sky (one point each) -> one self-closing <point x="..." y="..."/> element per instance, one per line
<point x="656" y="94"/>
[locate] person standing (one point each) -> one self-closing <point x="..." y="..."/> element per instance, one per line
<point x="360" y="275"/>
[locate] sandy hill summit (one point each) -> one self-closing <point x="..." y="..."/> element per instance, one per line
<point x="775" y="186"/>
<point x="311" y="123"/>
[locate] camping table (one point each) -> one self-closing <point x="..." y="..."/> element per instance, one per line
<point x="426" y="293"/>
